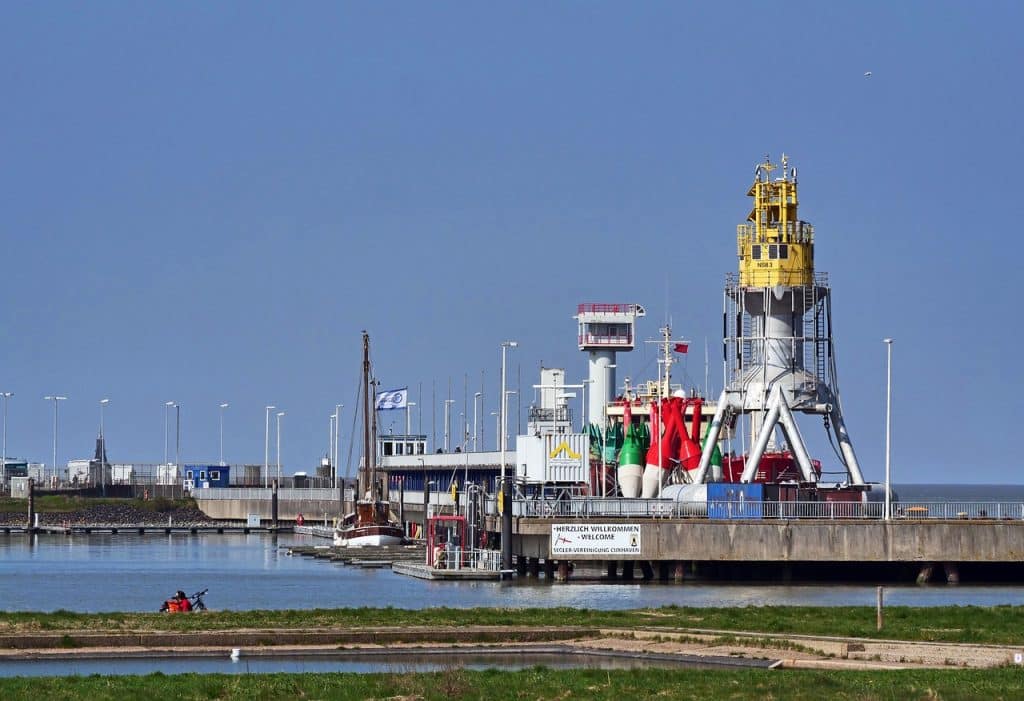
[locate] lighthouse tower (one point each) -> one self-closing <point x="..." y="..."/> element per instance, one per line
<point x="778" y="340"/>
<point x="605" y="329"/>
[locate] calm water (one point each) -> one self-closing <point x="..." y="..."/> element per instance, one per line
<point x="337" y="662"/>
<point x="135" y="573"/>
<point x="960" y="492"/>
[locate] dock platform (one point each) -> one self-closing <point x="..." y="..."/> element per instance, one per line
<point x="421" y="571"/>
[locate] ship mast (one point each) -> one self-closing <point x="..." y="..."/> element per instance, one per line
<point x="365" y="478"/>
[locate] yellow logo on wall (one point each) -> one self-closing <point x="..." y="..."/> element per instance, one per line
<point x="563" y="447"/>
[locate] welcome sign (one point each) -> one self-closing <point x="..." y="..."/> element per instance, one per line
<point x="595" y="539"/>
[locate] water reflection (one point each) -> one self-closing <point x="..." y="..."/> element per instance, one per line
<point x="135" y="573"/>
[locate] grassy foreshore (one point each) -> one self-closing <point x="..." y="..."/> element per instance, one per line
<point x="964" y="624"/>
<point x="1001" y="626"/>
<point x="537" y="683"/>
<point x="63" y="503"/>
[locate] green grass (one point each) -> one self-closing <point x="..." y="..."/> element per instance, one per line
<point x="62" y="503"/>
<point x="537" y="683"/>
<point x="969" y="624"/>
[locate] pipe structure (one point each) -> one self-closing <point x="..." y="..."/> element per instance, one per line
<point x="845" y="444"/>
<point x="795" y="440"/>
<point x="767" y="428"/>
<point x="711" y="440"/>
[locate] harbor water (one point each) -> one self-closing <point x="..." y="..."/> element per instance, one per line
<point x="130" y="572"/>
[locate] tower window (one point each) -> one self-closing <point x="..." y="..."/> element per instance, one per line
<point x="755" y="252"/>
<point x="783" y="251"/>
<point x="773" y="251"/>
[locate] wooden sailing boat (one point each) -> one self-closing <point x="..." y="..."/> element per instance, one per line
<point x="370" y="522"/>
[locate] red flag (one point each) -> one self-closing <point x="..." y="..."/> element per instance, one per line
<point x="681" y="347"/>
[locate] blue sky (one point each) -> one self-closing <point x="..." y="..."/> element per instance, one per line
<point x="207" y="202"/>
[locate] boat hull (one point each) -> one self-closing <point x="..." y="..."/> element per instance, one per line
<point x="363" y="536"/>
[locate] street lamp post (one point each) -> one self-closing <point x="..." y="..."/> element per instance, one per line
<point x="167" y="406"/>
<point x="888" y="427"/>
<point x="177" y="437"/>
<point x="508" y="393"/>
<point x="408" y="422"/>
<point x="279" y="415"/>
<point x="337" y="448"/>
<point x="505" y="488"/>
<point x="223" y="406"/>
<point x="266" y="449"/>
<point x="3" y="462"/>
<point x="477" y="399"/>
<point x="55" y="399"/>
<point x="330" y="442"/>
<point x="504" y="413"/>
<point x="447" y="423"/>
<point x="103" y="450"/>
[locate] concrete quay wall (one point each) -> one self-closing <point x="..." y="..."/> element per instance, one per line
<point x="800" y="541"/>
<point x="287" y="510"/>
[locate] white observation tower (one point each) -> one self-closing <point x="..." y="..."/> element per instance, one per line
<point x="605" y="329"/>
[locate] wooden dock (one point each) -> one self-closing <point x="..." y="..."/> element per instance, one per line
<point x="409" y="560"/>
<point x="369" y="557"/>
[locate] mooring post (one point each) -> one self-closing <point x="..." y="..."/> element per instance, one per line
<point x="879" y="608"/>
<point x="273" y="504"/>
<point x="31" y="505"/>
<point x="506" y="524"/>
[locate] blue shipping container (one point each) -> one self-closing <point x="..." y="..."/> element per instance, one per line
<point x="204" y="476"/>
<point x="735" y="501"/>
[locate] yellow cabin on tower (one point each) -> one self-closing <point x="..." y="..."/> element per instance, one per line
<point x="775" y="248"/>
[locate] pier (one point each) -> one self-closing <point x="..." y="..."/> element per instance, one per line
<point x="660" y="541"/>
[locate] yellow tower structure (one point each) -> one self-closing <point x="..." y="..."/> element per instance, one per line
<point x="778" y="347"/>
<point x="775" y="248"/>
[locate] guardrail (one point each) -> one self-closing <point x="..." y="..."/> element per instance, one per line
<point x="778" y="510"/>
<point x="459" y="559"/>
<point x="259" y="493"/>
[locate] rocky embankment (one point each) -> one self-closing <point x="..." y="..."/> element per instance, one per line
<point x="112" y="515"/>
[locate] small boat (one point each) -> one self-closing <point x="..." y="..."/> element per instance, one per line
<point x="370" y="523"/>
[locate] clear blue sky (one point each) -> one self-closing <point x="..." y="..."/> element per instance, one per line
<point x="207" y="202"/>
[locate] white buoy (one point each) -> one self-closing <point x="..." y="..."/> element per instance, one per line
<point x="236" y="652"/>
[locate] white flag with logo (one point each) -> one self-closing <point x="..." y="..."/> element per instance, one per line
<point x="393" y="399"/>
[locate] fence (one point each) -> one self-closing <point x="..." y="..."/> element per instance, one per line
<point x="259" y="493"/>
<point x="749" y="509"/>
